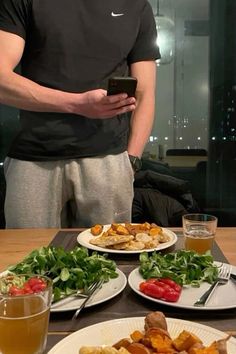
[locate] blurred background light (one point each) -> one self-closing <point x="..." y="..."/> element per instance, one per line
<point x="165" y="37"/>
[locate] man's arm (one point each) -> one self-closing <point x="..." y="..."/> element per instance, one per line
<point x="20" y="92"/>
<point x="143" y="116"/>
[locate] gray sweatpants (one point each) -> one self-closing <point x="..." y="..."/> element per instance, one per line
<point x="68" y="193"/>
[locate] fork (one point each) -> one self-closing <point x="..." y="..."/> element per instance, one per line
<point x="222" y="279"/>
<point x="71" y="296"/>
<point x="96" y="285"/>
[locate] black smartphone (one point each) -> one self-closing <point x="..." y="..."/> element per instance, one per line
<point x="118" y="84"/>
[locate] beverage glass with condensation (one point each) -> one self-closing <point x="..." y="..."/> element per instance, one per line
<point x="199" y="232"/>
<point x="24" y="321"/>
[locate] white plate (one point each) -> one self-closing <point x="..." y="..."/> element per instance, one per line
<point x="223" y="298"/>
<point x="109" y="332"/>
<point x="85" y="236"/>
<point x="107" y="292"/>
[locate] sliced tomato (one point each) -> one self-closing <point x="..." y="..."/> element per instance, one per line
<point x="36" y="284"/>
<point x="142" y="286"/>
<point x="171" y="283"/>
<point x="152" y="290"/>
<point x="165" y="289"/>
<point x="38" y="287"/>
<point x="151" y="280"/>
<point x="35" y="280"/>
<point x="27" y="289"/>
<point x="15" y="291"/>
<point x="171" y="295"/>
<point x="162" y="285"/>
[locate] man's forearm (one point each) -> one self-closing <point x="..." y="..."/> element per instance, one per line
<point x="141" y="125"/>
<point x="143" y="117"/>
<point x="22" y="93"/>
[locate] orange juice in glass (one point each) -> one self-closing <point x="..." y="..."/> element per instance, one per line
<point x="199" y="232"/>
<point x="24" y="316"/>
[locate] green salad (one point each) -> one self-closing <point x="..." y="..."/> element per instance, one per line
<point x="184" y="267"/>
<point x="69" y="270"/>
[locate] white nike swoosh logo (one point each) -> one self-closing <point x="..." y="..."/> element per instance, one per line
<point x="116" y="15"/>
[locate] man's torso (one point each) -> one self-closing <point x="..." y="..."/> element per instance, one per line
<point x="75" y="46"/>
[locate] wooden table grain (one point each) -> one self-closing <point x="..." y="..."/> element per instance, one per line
<point x="15" y="244"/>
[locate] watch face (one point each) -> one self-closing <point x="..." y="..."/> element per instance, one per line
<point x="136" y="163"/>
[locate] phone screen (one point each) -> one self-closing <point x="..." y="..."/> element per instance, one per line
<point x="122" y="85"/>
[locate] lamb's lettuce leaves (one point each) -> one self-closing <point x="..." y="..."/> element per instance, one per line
<point x="69" y="270"/>
<point x="184" y="267"/>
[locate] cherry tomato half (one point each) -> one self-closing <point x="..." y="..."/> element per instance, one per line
<point x="15" y="291"/>
<point x="172" y="284"/>
<point x="171" y="295"/>
<point x="152" y="290"/>
<point x="166" y="290"/>
<point x="32" y="285"/>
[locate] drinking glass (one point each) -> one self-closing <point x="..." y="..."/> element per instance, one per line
<point x="199" y="232"/>
<point x="122" y="216"/>
<point x="24" y="318"/>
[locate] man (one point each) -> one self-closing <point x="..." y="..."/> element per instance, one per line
<point x="71" y="156"/>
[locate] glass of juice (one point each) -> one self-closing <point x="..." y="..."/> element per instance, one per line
<point x="24" y="313"/>
<point x="199" y="232"/>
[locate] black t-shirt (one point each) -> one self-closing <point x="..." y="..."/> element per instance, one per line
<point x="75" y="46"/>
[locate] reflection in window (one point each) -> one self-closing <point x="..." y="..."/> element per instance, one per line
<point x="195" y="103"/>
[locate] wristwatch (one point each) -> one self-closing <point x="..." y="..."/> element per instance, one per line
<point x="135" y="162"/>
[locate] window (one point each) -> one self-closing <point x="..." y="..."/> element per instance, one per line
<point x="195" y="126"/>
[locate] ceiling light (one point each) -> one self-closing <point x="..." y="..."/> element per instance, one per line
<point x="165" y="37"/>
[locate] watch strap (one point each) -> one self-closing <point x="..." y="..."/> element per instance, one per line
<point x="135" y="162"/>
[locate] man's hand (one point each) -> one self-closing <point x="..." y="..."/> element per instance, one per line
<point x="22" y="93"/>
<point x="96" y="104"/>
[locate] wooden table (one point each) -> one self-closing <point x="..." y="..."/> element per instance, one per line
<point x="15" y="244"/>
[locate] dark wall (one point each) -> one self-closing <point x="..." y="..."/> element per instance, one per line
<point x="221" y="169"/>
